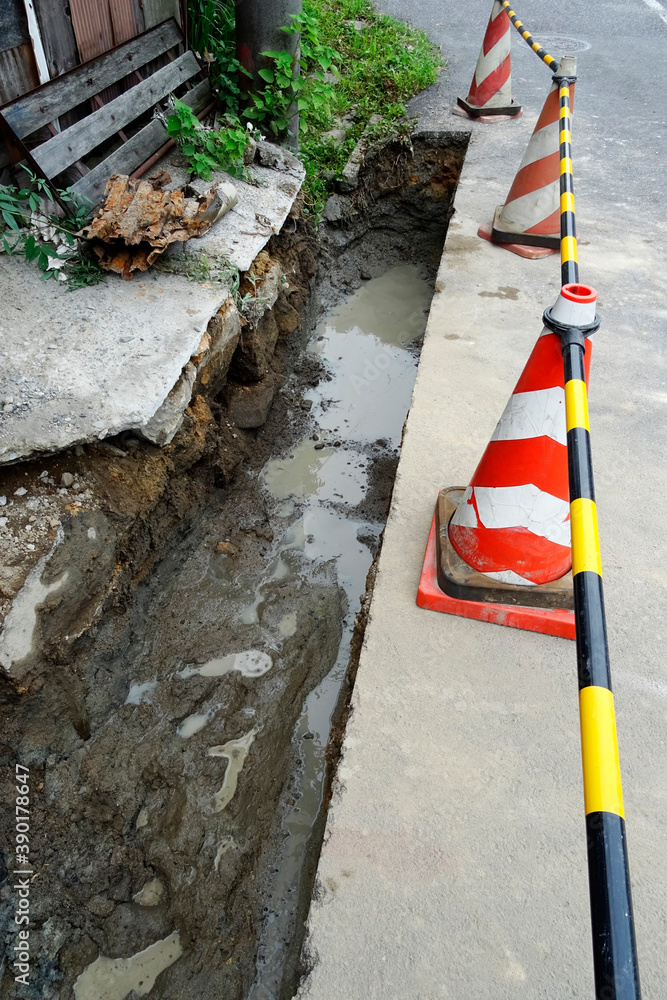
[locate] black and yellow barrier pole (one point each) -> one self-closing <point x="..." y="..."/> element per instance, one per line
<point x="573" y="317"/>
<point x="569" y="265"/>
<point x="526" y="35"/>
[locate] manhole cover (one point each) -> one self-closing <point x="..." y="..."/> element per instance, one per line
<point x="561" y="43"/>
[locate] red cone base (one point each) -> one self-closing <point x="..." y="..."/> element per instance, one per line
<point x="548" y="621"/>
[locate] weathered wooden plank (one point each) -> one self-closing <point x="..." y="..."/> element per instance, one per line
<point x="18" y="72"/>
<point x="136" y="150"/>
<point x="139" y="15"/>
<point x="68" y="146"/>
<point x="46" y="103"/>
<point x="57" y="36"/>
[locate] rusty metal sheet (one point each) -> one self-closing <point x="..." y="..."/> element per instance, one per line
<point x="139" y="219"/>
<point x="91" y="20"/>
<point x="123" y="20"/>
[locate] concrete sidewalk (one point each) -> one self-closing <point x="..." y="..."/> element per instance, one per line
<point x="455" y="858"/>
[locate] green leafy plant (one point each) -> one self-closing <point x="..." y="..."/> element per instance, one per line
<point x="44" y="236"/>
<point x="206" y="149"/>
<point x="354" y="64"/>
<point x="295" y="86"/>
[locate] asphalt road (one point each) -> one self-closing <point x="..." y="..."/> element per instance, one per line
<point x="620" y="130"/>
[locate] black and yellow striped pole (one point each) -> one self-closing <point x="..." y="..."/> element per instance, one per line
<point x="573" y="317"/>
<point x="526" y="35"/>
<point x="569" y="265"/>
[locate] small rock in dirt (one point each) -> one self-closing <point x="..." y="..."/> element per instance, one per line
<point x="67" y="479"/>
<point x="226" y="548"/>
<point x="249" y="153"/>
<point x="20" y="492"/>
<point x="3" y="501"/>
<point x="318" y="447"/>
<point x="338" y="135"/>
<point x="333" y="209"/>
<point x="365" y="275"/>
<point x="248" y="405"/>
<point x="315" y="437"/>
<point x="100" y="906"/>
<point x="336" y="444"/>
<point x="287" y="317"/>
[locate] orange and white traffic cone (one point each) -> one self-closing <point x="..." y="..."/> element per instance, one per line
<point x="490" y="95"/>
<point x="500" y="550"/>
<point x="528" y="223"/>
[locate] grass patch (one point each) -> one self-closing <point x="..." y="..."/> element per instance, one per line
<point x="382" y="64"/>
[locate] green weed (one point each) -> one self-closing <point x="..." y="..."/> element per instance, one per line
<point x="211" y="25"/>
<point x="346" y="76"/>
<point x="206" y="149"/>
<point x="34" y="229"/>
<point x="382" y="65"/>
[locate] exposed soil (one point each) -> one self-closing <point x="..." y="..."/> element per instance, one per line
<point x="165" y="562"/>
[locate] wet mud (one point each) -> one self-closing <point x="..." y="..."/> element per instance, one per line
<point x="188" y="661"/>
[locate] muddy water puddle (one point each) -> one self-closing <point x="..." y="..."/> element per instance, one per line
<point x="365" y="344"/>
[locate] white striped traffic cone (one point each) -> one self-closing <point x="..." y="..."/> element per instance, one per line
<point x="530" y="217"/>
<point x="513" y="523"/>
<point x="490" y="95"/>
<point x="500" y="550"/>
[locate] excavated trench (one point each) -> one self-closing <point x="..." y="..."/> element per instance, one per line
<point x="198" y="627"/>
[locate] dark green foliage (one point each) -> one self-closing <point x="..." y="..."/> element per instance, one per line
<point x="207" y="150"/>
<point x="45" y="237"/>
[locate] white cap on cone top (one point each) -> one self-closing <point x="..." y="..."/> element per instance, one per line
<point x="575" y="305"/>
<point x="567" y="66"/>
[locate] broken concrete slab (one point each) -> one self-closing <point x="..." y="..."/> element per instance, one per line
<point x="89" y="364"/>
<point x="263" y="205"/>
<point x="161" y="428"/>
<point x="84" y="366"/>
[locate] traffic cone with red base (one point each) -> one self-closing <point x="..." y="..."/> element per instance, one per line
<point x="490" y="95"/>
<point x="500" y="550"/>
<point x="528" y="223"/>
